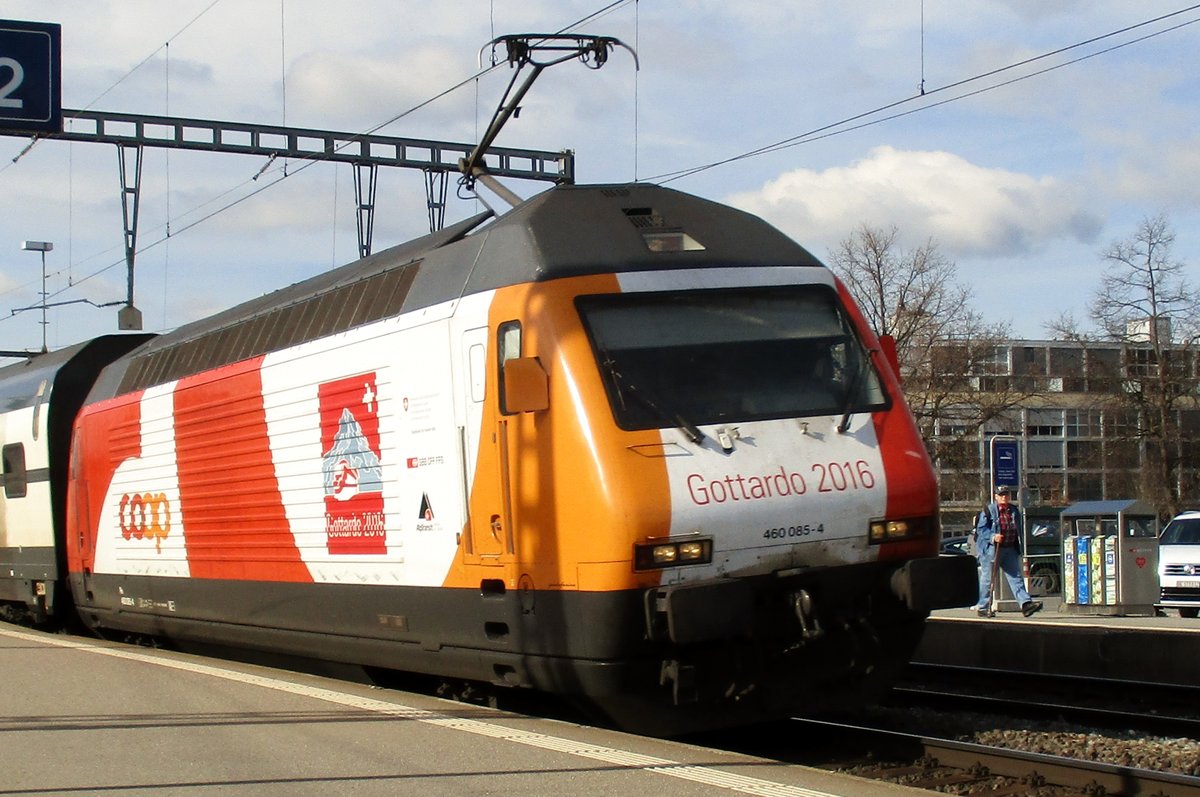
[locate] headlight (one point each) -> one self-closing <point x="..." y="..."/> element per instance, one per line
<point x="900" y="529"/>
<point x="656" y="554"/>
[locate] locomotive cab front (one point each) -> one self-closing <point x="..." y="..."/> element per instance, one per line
<point x="721" y="492"/>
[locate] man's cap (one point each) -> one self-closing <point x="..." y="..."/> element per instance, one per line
<point x="1004" y="489"/>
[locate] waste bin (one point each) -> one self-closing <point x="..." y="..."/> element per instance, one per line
<point x="1110" y="558"/>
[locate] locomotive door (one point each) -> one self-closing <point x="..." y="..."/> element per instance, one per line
<point x="80" y="540"/>
<point x="484" y="537"/>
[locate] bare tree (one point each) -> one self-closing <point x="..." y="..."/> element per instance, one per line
<point x="945" y="347"/>
<point x="1143" y="287"/>
<point x="1145" y="303"/>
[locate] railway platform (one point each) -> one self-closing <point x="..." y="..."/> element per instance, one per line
<point x="1161" y="650"/>
<point x="85" y="716"/>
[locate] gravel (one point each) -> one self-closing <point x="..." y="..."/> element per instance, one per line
<point x="1122" y="748"/>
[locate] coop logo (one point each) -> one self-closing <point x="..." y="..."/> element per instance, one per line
<point x="351" y="465"/>
<point x="145" y="516"/>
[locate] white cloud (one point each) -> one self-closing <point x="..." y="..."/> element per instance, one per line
<point x="967" y="209"/>
<point x="356" y="90"/>
<point x="1154" y="173"/>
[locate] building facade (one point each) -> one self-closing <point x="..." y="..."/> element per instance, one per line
<point x="1082" y="436"/>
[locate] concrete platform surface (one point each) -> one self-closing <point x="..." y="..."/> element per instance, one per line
<point x="82" y="716"/>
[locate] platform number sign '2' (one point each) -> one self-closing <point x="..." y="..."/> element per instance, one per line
<point x="30" y="77"/>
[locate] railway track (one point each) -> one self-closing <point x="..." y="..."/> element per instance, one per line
<point x="966" y="768"/>
<point x="1150" y="708"/>
<point x="965" y="731"/>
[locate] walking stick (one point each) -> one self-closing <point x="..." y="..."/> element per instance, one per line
<point x="993" y="602"/>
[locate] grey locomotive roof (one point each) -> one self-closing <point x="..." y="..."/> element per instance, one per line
<point x="563" y="232"/>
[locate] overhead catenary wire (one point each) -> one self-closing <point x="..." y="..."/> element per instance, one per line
<point x="847" y="125"/>
<point x="285" y="173"/>
<point x="143" y="62"/>
<point x="121" y="79"/>
<point x="822" y="132"/>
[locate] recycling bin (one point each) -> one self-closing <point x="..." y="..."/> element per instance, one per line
<point x="1110" y="558"/>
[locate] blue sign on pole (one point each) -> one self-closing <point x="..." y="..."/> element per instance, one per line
<point x="1006" y="462"/>
<point x="30" y="77"/>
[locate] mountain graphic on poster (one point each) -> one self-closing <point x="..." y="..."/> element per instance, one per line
<point x="350" y="466"/>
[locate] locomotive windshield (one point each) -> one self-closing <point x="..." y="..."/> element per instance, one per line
<point x="699" y="357"/>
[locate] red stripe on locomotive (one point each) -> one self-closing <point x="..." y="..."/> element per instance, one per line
<point x="911" y="483"/>
<point x="232" y="509"/>
<point x="102" y="441"/>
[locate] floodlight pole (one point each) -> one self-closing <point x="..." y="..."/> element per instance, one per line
<point x="43" y="247"/>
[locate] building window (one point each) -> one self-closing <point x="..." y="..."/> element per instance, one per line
<point x="962" y="487"/>
<point x="1029" y="361"/>
<point x="1189" y="424"/>
<point x="958" y="454"/>
<point x="1066" y="362"/>
<point x="1006" y="423"/>
<point x="993" y="362"/>
<point x="1085" y="454"/>
<point x="1046" y="488"/>
<point x="1120" y="423"/>
<point x="1120" y="484"/>
<point x="1083" y="423"/>
<point x="958" y="421"/>
<point x="1141" y="363"/>
<point x="1086" y="487"/>
<point x="1121" y="454"/>
<point x="1103" y="368"/>
<point x="1044" y="423"/>
<point x="1044" y="455"/>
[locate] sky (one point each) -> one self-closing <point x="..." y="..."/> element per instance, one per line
<point x="1018" y="136"/>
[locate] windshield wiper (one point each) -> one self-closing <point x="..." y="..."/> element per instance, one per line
<point x="625" y="387"/>
<point x="852" y="392"/>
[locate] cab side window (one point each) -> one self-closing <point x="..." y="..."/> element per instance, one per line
<point x="508" y="348"/>
<point x="16" y="479"/>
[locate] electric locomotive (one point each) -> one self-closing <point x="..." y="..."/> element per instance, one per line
<point x="621" y="444"/>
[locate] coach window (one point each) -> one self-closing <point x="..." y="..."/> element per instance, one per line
<point x="15" y="479"/>
<point x="508" y="348"/>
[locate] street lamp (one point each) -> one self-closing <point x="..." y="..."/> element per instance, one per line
<point x="43" y="247"/>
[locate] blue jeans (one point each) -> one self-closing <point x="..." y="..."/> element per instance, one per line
<point x="1010" y="565"/>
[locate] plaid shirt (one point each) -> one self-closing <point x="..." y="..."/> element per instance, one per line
<point x="1006" y="525"/>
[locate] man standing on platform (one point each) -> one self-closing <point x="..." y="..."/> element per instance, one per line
<point x="998" y="546"/>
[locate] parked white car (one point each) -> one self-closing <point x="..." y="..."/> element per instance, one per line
<point x="1179" y="564"/>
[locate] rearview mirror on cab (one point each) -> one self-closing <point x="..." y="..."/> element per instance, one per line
<point x="526" y="385"/>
